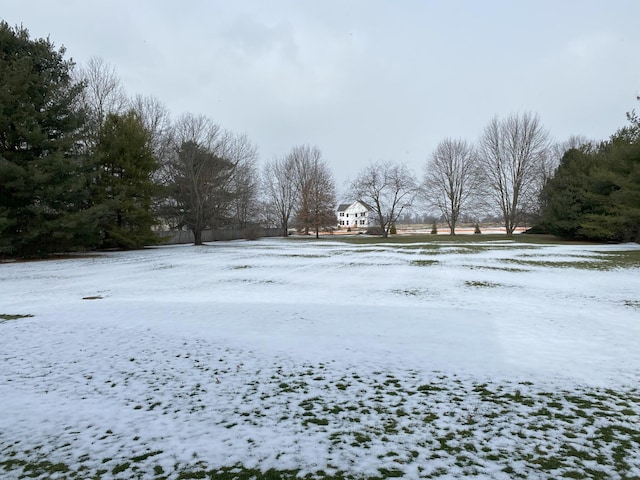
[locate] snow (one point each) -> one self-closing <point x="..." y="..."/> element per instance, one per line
<point x="318" y="355"/>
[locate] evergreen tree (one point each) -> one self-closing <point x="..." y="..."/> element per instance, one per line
<point x="124" y="187"/>
<point x="595" y="194"/>
<point x="616" y="188"/>
<point x="44" y="184"/>
<point x="566" y="198"/>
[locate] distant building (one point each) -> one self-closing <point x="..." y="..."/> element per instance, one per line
<point x="356" y="215"/>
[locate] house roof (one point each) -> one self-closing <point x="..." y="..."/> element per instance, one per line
<point x="366" y="205"/>
<point x="343" y="206"/>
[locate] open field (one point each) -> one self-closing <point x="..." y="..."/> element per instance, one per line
<point x="414" y="357"/>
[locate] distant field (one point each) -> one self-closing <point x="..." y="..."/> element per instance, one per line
<point x="473" y="356"/>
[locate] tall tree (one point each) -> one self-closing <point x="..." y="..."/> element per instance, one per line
<point x="155" y="118"/>
<point x="245" y="180"/>
<point x="103" y="94"/>
<point x="201" y="176"/>
<point x="44" y="183"/>
<point x="451" y="179"/>
<point x="279" y="192"/>
<point x="389" y="188"/>
<point x="595" y="193"/>
<point x="565" y="198"/>
<point x="512" y="155"/>
<point x="315" y="189"/>
<point x="124" y="185"/>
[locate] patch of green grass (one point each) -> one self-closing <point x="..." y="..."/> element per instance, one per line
<point x="566" y="429"/>
<point x="430" y="417"/>
<point x="599" y="261"/>
<point x="144" y="456"/>
<point x="429" y="388"/>
<point x="391" y="473"/>
<point x="424" y="263"/>
<point x="450" y="239"/>
<point x="497" y="268"/>
<point x="315" y="421"/>
<point x="7" y="316"/>
<point x="120" y="468"/>
<point x="622" y="259"/>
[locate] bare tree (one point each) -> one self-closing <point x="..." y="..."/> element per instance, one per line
<point x="279" y="192"/>
<point x="389" y="188"/>
<point x="245" y="179"/>
<point x="513" y="154"/>
<point x="156" y="119"/>
<point x="201" y="174"/>
<point x="315" y="189"/>
<point x="103" y="94"/>
<point x="557" y="151"/>
<point x="451" y="179"/>
<point x="322" y="199"/>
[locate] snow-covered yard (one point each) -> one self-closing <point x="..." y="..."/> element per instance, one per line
<point x="439" y="360"/>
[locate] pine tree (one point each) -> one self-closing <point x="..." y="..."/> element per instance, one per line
<point x="595" y="194"/>
<point x="124" y="188"/>
<point x="44" y="184"/>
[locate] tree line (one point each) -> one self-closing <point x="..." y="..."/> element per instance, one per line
<point x="577" y="189"/>
<point x="84" y="166"/>
<point x="595" y="191"/>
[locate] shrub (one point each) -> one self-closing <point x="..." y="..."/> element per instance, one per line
<point x="477" y="229"/>
<point x="434" y="229"/>
<point x="393" y="230"/>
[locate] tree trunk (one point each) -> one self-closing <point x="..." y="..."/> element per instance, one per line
<point x="508" y="226"/>
<point x="197" y="235"/>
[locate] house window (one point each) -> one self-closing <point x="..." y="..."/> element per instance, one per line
<point x="361" y="222"/>
<point x="347" y="214"/>
<point x="355" y="214"/>
<point x="342" y="214"/>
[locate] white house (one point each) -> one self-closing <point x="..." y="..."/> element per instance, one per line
<point x="356" y="214"/>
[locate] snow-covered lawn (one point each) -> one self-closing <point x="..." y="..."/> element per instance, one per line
<point x="439" y="360"/>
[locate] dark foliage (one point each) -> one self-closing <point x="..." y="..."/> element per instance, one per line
<point x="595" y="193"/>
<point x="45" y="202"/>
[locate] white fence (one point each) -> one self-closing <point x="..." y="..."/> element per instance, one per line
<point x="186" y="236"/>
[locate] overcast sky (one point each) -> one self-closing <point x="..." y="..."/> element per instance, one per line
<point x="362" y="80"/>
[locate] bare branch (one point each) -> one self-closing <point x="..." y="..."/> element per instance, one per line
<point x="388" y="188"/>
<point x="513" y="155"/>
<point x="451" y="179"/>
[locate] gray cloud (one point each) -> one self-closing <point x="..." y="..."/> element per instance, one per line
<point x="362" y="80"/>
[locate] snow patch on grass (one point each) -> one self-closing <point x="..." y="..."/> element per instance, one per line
<point x="280" y="359"/>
